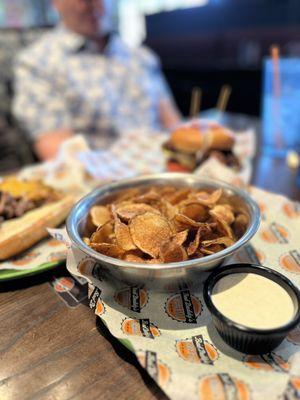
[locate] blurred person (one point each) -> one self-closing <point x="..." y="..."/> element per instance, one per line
<point x="81" y="77"/>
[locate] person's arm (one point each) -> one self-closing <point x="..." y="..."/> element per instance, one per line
<point x="168" y="113"/>
<point x="47" y="144"/>
<point x="40" y="106"/>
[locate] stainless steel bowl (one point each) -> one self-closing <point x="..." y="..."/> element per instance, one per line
<point x="159" y="276"/>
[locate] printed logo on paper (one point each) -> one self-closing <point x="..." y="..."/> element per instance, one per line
<point x="25" y="258"/>
<point x="292" y="391"/>
<point x="132" y="298"/>
<point x="263" y="209"/>
<point x="140" y="327"/>
<point x="64" y="284"/>
<point x="291" y="261"/>
<point x="157" y="369"/>
<point x="184" y="307"/>
<point x="291" y="209"/>
<point x="197" y="350"/>
<point x="275" y="233"/>
<point x="223" y="386"/>
<point x="57" y="256"/>
<point x="294" y="335"/>
<point x="96" y="302"/>
<point x="267" y="362"/>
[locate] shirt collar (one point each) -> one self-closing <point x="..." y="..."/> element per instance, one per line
<point x="74" y="42"/>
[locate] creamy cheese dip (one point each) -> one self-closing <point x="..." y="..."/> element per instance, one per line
<point x="253" y="300"/>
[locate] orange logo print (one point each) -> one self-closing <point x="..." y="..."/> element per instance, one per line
<point x="267" y="362"/>
<point x="197" y="350"/>
<point x="275" y="233"/>
<point x="291" y="209"/>
<point x="63" y="284"/>
<point x="291" y="261"/>
<point x="140" y="327"/>
<point x="96" y="302"/>
<point x="158" y="370"/>
<point x="132" y="298"/>
<point x="25" y="259"/>
<point x="58" y="256"/>
<point x="294" y="335"/>
<point x="54" y="243"/>
<point x="221" y="387"/>
<point x="184" y="307"/>
<point x="292" y="391"/>
<point x="263" y="209"/>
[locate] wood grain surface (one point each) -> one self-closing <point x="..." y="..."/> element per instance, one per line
<point x="49" y="351"/>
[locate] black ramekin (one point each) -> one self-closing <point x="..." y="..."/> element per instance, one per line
<point x="240" y="337"/>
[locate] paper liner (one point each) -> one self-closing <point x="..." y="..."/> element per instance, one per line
<point x="187" y="358"/>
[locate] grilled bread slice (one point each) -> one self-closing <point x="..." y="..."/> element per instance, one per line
<point x="19" y="234"/>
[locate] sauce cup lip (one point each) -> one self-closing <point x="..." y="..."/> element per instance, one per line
<point x="256" y="269"/>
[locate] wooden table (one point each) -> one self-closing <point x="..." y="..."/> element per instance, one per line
<point x="49" y="351"/>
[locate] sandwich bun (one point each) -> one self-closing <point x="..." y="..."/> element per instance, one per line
<point x="19" y="234"/>
<point x="206" y="136"/>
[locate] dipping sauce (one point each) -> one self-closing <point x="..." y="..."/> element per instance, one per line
<point x="252" y="300"/>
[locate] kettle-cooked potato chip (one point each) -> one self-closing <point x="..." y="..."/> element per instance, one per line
<point x="108" y="249"/>
<point x="209" y="199"/>
<point x="195" y="211"/>
<point x="223" y="212"/>
<point x="100" y="215"/>
<point x="165" y="224"/>
<point x="123" y="236"/>
<point x="148" y="231"/>
<point x="171" y="251"/>
<point x="129" y="211"/>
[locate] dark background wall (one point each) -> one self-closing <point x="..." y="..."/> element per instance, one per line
<point x="223" y="42"/>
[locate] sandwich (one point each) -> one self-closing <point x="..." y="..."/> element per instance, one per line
<point x="192" y="144"/>
<point x="27" y="209"/>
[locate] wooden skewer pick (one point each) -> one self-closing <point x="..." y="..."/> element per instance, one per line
<point x="195" y="102"/>
<point x="224" y="97"/>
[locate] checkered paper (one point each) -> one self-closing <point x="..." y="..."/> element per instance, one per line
<point x="172" y="334"/>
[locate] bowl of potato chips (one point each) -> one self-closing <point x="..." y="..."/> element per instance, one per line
<point x="162" y="229"/>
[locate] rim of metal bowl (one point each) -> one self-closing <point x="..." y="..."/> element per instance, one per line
<point x="119" y="185"/>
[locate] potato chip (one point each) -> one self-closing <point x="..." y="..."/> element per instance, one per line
<point x="225" y="229"/>
<point x="193" y="246"/>
<point x="86" y="240"/>
<point x="182" y="236"/>
<point x="103" y="234"/>
<point x="129" y="211"/>
<point x="168" y="210"/>
<point x="134" y="256"/>
<point x="171" y="251"/>
<point x="148" y="231"/>
<point x="186" y="222"/>
<point x="194" y="211"/>
<point x="223" y="212"/>
<point x="100" y="215"/>
<point x="123" y="237"/>
<point x="221" y="240"/>
<point x="240" y="224"/>
<point x="108" y="249"/>
<point x="179" y="195"/>
<point x="165" y="224"/>
<point x="209" y="199"/>
<point x="148" y="198"/>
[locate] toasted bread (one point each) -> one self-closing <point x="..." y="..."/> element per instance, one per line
<point x="21" y="233"/>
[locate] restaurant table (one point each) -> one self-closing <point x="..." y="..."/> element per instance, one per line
<point x="50" y="351"/>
